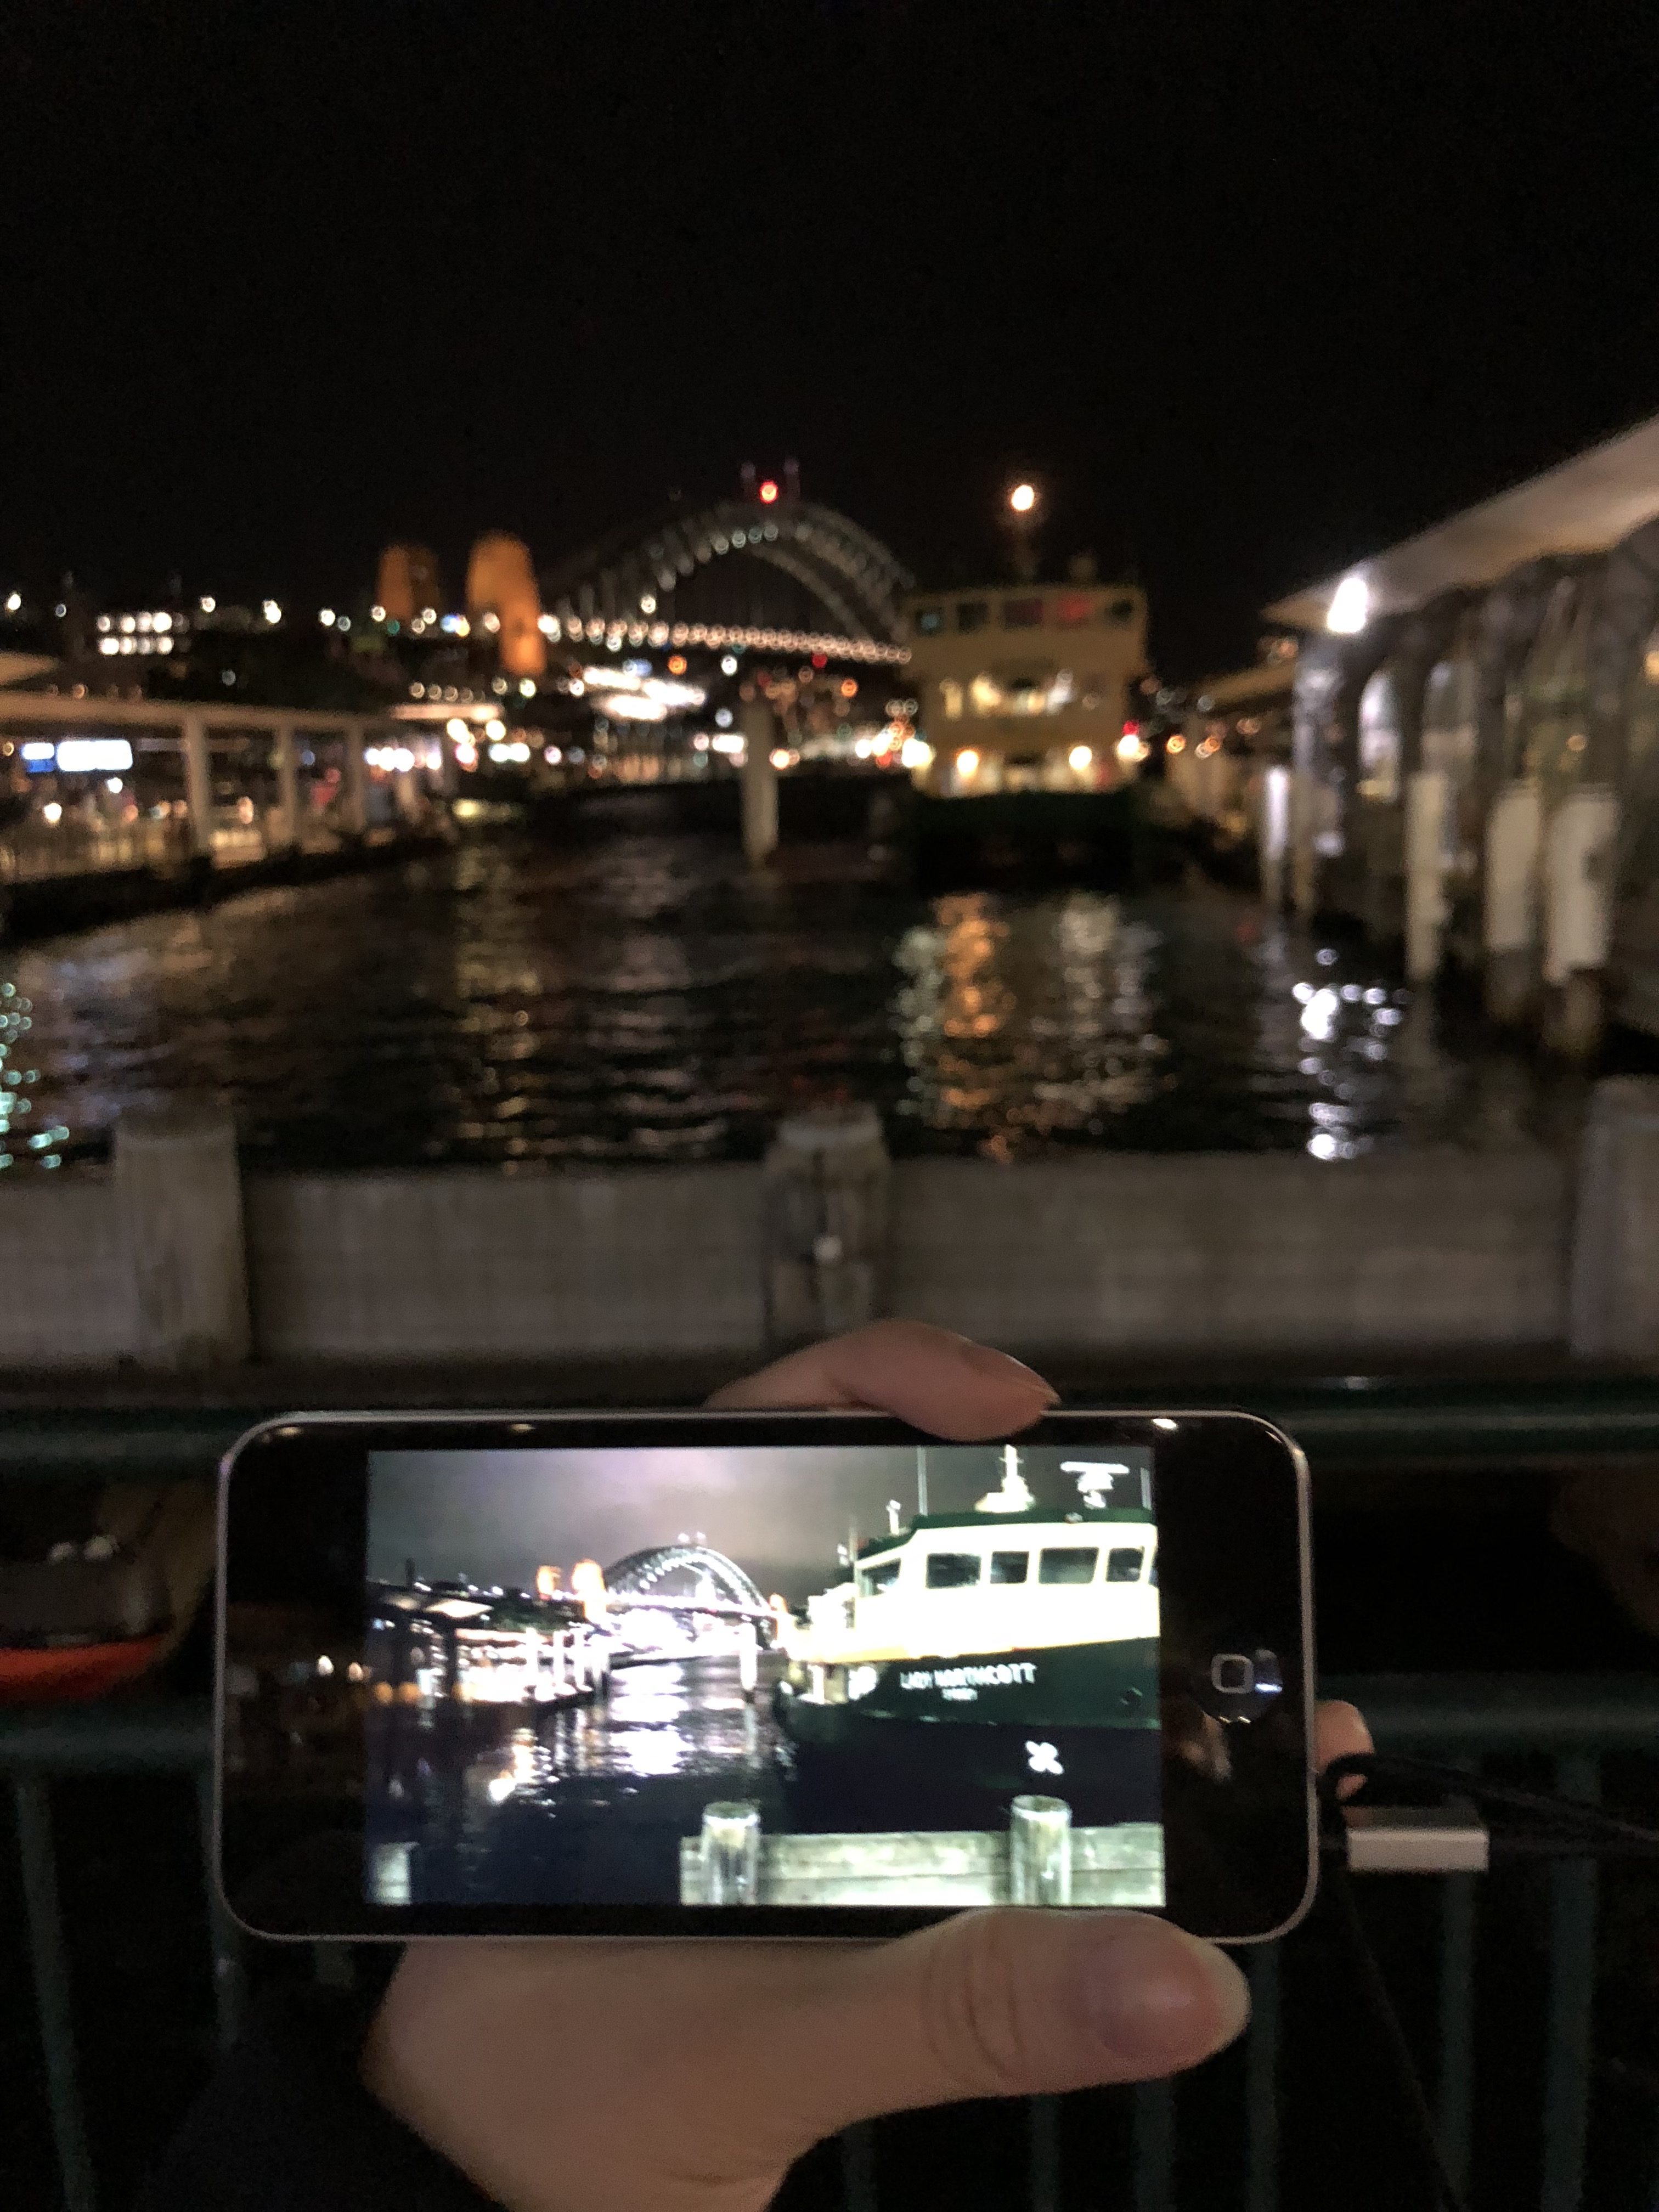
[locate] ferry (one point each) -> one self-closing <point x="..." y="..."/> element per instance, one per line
<point x="985" y="1653"/>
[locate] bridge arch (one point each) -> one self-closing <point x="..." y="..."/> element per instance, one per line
<point x="643" y="1573"/>
<point x="634" y="575"/>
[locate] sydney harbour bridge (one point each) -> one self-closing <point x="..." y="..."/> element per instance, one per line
<point x="767" y="570"/>
<point x="676" y="1597"/>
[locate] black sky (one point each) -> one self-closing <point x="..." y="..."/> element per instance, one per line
<point x="1254" y="288"/>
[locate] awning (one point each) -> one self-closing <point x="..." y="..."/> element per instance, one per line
<point x="1584" y="505"/>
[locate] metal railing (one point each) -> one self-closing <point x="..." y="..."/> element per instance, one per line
<point x="1573" y="1723"/>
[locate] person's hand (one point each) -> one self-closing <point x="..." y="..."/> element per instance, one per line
<point x="585" y="2075"/>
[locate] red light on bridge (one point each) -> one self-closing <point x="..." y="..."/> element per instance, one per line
<point x="769" y="492"/>
<point x="820" y="660"/>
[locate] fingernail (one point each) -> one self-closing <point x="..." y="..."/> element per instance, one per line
<point x="984" y="1360"/>
<point x="1159" y="1998"/>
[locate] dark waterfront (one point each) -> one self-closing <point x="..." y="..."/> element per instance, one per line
<point x="515" y="1004"/>
<point x="589" y="1801"/>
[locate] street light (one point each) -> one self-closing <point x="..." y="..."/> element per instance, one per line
<point x="1021" y="524"/>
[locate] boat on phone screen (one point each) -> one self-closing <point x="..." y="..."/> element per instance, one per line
<point x="970" y="1652"/>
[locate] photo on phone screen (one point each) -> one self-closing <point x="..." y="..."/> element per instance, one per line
<point x="908" y="1675"/>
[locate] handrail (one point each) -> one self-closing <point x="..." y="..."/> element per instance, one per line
<point x="1356" y="1421"/>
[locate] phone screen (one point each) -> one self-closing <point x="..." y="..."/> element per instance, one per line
<point x="770" y="1674"/>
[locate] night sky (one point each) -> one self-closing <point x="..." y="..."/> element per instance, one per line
<point x="496" y="1516"/>
<point x="1253" y="289"/>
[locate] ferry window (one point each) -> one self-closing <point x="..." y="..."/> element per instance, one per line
<point x="1124" y="1566"/>
<point x="1022" y="614"/>
<point x="953" y="1569"/>
<point x="972" y="615"/>
<point x="1153" y="1576"/>
<point x="1121" y="611"/>
<point x="1073" y="608"/>
<point x="1010" y="1566"/>
<point x="930" y="620"/>
<point x="874" y="1580"/>
<point x="1068" y="1564"/>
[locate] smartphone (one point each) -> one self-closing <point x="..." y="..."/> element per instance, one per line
<point x="760" y="1674"/>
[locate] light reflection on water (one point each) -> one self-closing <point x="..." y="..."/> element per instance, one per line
<point x="646" y="999"/>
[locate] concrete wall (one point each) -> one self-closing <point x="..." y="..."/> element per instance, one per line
<point x="469" y="1264"/>
<point x="1178" y="1255"/>
<point x="1231" y="1251"/>
<point x="67" y="1295"/>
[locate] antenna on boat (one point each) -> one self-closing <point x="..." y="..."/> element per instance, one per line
<point x="893" y="1512"/>
<point x="922" y="1481"/>
<point x="1095" y="1477"/>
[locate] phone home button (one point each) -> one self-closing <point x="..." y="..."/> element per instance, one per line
<point x="1244" y="1684"/>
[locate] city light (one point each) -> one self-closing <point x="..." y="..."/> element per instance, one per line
<point x="325" y="616"/>
<point x="967" y="763"/>
<point x="270" y="611"/>
<point x="1080" y="758"/>
<point x="1177" y="743"/>
<point x="13" y="601"/>
<point x="1351" y="605"/>
<point x="207" y="603"/>
<point x="727" y="745"/>
<point x="494" y="727"/>
<point x="778" y="756"/>
<point x="52" y="812"/>
<point x="457" y="728"/>
<point x="1022" y="498"/>
<point x="677" y="664"/>
<point x="1130" y="747"/>
<point x="728" y="663"/>
<point x="375" y="614"/>
<point x="769" y="492"/>
<point x="94" y="756"/>
<point x="916" y="754"/>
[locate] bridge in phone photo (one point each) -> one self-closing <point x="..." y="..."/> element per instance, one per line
<point x="701" y="1600"/>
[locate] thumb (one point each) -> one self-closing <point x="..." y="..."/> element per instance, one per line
<point x="1009" y="2004"/>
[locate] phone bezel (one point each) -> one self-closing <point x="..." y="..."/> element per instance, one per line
<point x="1268" y="1823"/>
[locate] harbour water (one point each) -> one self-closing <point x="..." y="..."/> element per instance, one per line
<point x="517" y="1003"/>
<point x="586" y="1801"/>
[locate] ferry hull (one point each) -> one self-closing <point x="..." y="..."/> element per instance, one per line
<point x="948" y="1742"/>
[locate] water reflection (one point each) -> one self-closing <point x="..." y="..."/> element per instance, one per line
<point x="648" y="1000"/>
<point x="588" y="1800"/>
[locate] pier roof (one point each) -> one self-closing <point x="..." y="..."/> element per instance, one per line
<point x="1583" y="505"/>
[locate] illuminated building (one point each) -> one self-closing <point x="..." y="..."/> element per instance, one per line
<point x="502" y="598"/>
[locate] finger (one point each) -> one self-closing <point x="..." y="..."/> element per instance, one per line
<point x="1340" y="1732"/>
<point x="1011" y="2004"/>
<point x="925" y="1375"/>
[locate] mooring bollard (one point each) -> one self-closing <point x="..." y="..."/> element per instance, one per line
<point x="179" y="1191"/>
<point x="1273" y="836"/>
<point x="828" y="1178"/>
<point x="730" y="1844"/>
<point x="1040" y="1851"/>
<point x="1614" y="1302"/>
<point x="1515" y="828"/>
<point x="760" y="784"/>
